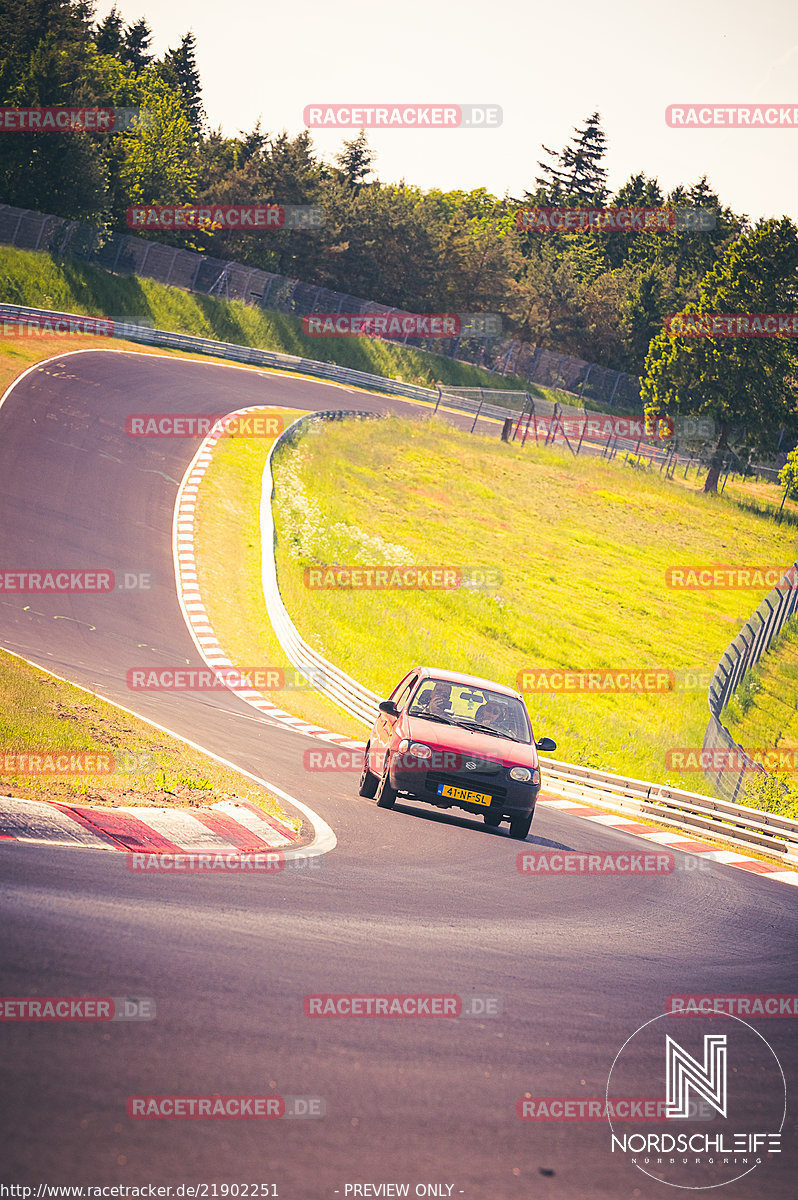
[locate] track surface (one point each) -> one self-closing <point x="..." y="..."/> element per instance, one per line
<point x="410" y="901"/>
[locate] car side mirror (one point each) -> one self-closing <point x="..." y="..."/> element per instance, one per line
<point x="546" y="743"/>
<point x="389" y="707"/>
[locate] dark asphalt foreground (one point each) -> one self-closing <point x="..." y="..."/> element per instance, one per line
<point x="409" y="901"/>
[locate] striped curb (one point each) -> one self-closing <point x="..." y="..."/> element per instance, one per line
<point x="190" y="599"/>
<point x="674" y="841"/>
<point x="230" y="827"/>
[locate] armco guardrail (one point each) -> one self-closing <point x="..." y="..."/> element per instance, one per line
<point x="326" y="678"/>
<point x="738" y="825"/>
<point x="17" y="314"/>
<point x="744" y="652"/>
<point x="144" y="334"/>
<point x="748" y="828"/>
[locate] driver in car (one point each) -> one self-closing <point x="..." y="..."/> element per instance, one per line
<point x="437" y="702"/>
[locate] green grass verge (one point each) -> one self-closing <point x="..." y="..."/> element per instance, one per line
<point x="43" y="715"/>
<point x="227" y="549"/>
<point x="582" y="544"/>
<point x="37" y="280"/>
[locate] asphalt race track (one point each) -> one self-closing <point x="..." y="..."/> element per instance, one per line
<point x="409" y="901"/>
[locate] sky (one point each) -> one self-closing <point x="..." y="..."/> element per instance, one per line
<point x="548" y="65"/>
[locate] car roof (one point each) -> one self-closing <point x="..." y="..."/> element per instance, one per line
<point x="468" y="680"/>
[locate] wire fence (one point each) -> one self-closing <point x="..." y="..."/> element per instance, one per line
<point x="563" y="372"/>
<point x="730" y="769"/>
<point x="691" y="446"/>
<point x="126" y="254"/>
<point x="532" y="419"/>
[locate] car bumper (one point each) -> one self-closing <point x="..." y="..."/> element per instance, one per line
<point x="508" y="797"/>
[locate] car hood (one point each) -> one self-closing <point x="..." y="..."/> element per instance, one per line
<point x="469" y="742"/>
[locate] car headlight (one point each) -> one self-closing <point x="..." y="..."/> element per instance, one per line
<point x="417" y="749"/>
<point x="523" y="775"/>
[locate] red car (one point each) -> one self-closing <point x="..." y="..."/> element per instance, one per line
<point x="455" y="741"/>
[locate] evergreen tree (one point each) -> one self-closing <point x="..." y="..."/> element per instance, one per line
<point x="44" y="52"/>
<point x="576" y="172"/>
<point x="180" y="68"/>
<point x="355" y="160"/>
<point x="109" y="36"/>
<point x="136" y="45"/>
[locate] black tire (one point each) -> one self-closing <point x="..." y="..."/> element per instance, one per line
<point x="368" y="782"/>
<point x="519" y="827"/>
<point x="492" y="819"/>
<point x="386" y="793"/>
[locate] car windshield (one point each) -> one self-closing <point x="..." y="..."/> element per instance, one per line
<point x="471" y="708"/>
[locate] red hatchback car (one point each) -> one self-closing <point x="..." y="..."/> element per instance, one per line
<point x="455" y="741"/>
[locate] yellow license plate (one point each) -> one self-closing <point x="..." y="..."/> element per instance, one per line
<point x="456" y="793"/>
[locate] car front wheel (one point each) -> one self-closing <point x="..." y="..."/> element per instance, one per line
<point x="492" y="819"/>
<point x="519" y="827"/>
<point x="386" y="793"/>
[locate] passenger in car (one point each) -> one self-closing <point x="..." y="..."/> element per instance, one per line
<point x="495" y="716"/>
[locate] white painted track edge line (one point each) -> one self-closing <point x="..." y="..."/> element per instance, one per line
<point x="324" y="838"/>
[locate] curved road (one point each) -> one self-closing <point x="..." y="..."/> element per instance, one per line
<point x="410" y="901"/>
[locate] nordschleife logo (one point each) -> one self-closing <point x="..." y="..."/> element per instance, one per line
<point x="725" y="1101"/>
<point x="683" y="1075"/>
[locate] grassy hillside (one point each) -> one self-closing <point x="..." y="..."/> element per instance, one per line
<point x="39" y="281"/>
<point x="582" y="547"/>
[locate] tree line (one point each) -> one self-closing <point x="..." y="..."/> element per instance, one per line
<point x="602" y="296"/>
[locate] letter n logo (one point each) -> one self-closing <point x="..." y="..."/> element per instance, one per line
<point x="683" y="1072"/>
